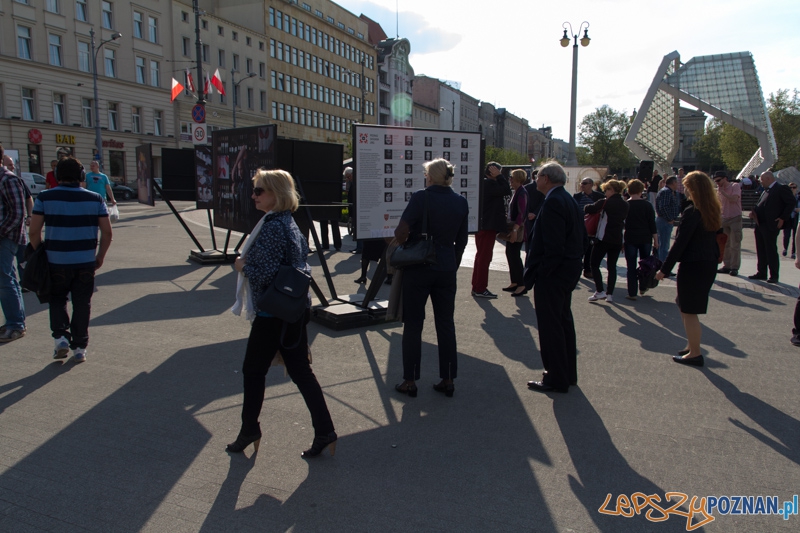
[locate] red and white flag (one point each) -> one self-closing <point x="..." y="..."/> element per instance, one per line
<point x="216" y="81"/>
<point x="207" y="87"/>
<point x="190" y="81"/>
<point x="176" y="89"/>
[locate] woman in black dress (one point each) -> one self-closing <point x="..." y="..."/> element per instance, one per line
<point x="696" y="249"/>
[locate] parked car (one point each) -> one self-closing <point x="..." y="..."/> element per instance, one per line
<point x="35" y="182"/>
<point x="121" y="192"/>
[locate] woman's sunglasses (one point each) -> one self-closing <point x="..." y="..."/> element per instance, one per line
<point x="257" y="191"/>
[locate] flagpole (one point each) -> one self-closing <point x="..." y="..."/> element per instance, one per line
<point x="201" y="97"/>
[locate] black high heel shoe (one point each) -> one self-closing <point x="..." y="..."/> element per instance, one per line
<point x="360" y="280"/>
<point x="320" y="443"/>
<point x="243" y="441"/>
<point x="405" y="388"/>
<point x="448" y="389"/>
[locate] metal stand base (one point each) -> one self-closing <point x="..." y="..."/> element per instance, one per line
<point x="213" y="256"/>
<point x="347" y="313"/>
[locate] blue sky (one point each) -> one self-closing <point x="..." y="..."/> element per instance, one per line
<point x="507" y="52"/>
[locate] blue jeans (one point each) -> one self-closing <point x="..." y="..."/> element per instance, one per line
<point x="10" y="292"/>
<point x="664" y="229"/>
<point x="632" y="253"/>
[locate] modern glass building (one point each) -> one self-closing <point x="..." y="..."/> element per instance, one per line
<point x="725" y="86"/>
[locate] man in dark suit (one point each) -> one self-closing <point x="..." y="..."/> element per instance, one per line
<point x="773" y="210"/>
<point x="552" y="269"/>
<point x="535" y="200"/>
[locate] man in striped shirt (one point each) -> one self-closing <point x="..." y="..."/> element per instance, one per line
<point x="72" y="217"/>
<point x="12" y="234"/>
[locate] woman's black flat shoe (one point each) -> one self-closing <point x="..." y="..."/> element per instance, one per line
<point x="361" y="280"/>
<point x="243" y="441"/>
<point x="447" y="389"/>
<point x="684" y="352"/>
<point x="523" y="293"/>
<point x="692" y="361"/>
<point x="512" y="288"/>
<point x="404" y="388"/>
<point x="320" y="443"/>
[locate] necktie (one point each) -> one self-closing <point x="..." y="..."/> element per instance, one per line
<point x="763" y="197"/>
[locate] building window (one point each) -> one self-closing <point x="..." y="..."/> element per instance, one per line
<point x="272" y="48"/>
<point x="262" y="69"/>
<point x="280" y="52"/>
<point x="272" y="76"/>
<point x="274" y="111"/>
<point x="111" y="71"/>
<point x="204" y="24"/>
<point x="59" y="112"/>
<point x="83" y="57"/>
<point x="261" y="45"/>
<point x="221" y="58"/>
<point x="248" y="41"/>
<point x="24" y="42"/>
<point x="152" y="25"/>
<point x="51" y="6"/>
<point x="249" y="98"/>
<point x="281" y="113"/>
<point x="80" y="10"/>
<point x="184" y="16"/>
<point x="113" y="125"/>
<point x="187" y="47"/>
<point x="222" y="96"/>
<point x="28" y="104"/>
<point x="138" y="25"/>
<point x="108" y="15"/>
<point x="306" y="7"/>
<point x="157" y="117"/>
<point x="235" y="61"/>
<point x="280" y="81"/>
<point x="263" y="96"/>
<point x="154" y="78"/>
<point x="248" y="65"/>
<point x="86" y="107"/>
<point x="236" y="98"/>
<point x="136" y="124"/>
<point x="272" y="17"/>
<point x="205" y="52"/>
<point x="220" y="30"/>
<point x="55" y="49"/>
<point x="235" y="36"/>
<point x="141" y="74"/>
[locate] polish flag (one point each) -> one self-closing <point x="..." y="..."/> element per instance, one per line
<point x="190" y="81"/>
<point x="177" y="88"/>
<point x="216" y="81"/>
<point x="207" y="87"/>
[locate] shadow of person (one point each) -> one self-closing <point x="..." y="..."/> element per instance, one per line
<point x="29" y="384"/>
<point x="511" y="334"/>
<point x="781" y="431"/>
<point x="601" y="469"/>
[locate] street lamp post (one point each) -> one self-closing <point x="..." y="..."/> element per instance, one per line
<point x="571" y="158"/>
<point x="98" y="141"/>
<point x="235" y="86"/>
<point x="452" y="115"/>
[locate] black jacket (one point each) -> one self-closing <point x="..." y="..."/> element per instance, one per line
<point x="640" y="224"/>
<point x="779" y="204"/>
<point x="616" y="209"/>
<point x="535" y="200"/>
<point x="493" y="213"/>
<point x="692" y="242"/>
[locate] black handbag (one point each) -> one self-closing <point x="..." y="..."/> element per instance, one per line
<point x="421" y="252"/>
<point x="36" y="274"/>
<point x="287" y="296"/>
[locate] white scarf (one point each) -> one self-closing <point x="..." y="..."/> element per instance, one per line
<point x="244" y="298"/>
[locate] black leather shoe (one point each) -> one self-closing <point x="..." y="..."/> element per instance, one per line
<point x="758" y="276"/>
<point x="360" y="281"/>
<point x="772" y="280"/>
<point x="447" y="389"/>
<point x="723" y="270"/>
<point x="692" y="361"/>
<point x="405" y="388"/>
<point x="320" y="443"/>
<point x="734" y="272"/>
<point x="684" y="352"/>
<point x="539" y="386"/>
<point x="523" y="293"/>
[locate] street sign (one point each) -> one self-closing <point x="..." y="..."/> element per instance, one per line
<point x="199" y="113"/>
<point x="199" y="134"/>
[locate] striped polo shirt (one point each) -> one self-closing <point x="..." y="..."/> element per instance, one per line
<point x="71" y="216"/>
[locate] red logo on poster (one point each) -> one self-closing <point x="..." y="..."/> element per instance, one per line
<point x="363" y="138"/>
<point x="35" y="136"/>
<point x="386" y="216"/>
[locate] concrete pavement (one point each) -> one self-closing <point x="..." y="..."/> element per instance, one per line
<point x="133" y="439"/>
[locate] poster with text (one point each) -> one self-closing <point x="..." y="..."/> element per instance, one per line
<point x="388" y="169"/>
<point x="144" y="174"/>
<point x="236" y="156"/>
<point x="204" y="177"/>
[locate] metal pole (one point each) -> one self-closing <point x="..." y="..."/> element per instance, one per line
<point x="363" y="98"/>
<point x="572" y="161"/>
<point x="453" y="116"/>
<point x="98" y="141"/>
<point x="198" y="45"/>
<point x="233" y="98"/>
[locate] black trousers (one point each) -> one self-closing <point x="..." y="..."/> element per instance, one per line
<point x="587" y="257"/>
<point x="79" y="283"/>
<point x="514" y="259"/>
<point x="323" y="237"/>
<point x="599" y="251"/>
<point x="264" y="342"/>
<point x="557" y="340"/>
<point x="418" y="284"/>
<point x="767" y="251"/>
<point x="789" y="231"/>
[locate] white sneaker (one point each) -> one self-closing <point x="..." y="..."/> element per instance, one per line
<point x="79" y="355"/>
<point x="609" y="299"/>
<point x="61" y="349"/>
<point x="598" y="296"/>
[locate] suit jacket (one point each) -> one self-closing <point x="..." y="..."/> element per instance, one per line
<point x="778" y="204"/>
<point x="558" y="242"/>
<point x="535" y="199"/>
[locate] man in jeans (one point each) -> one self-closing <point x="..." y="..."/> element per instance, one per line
<point x="12" y="234"/>
<point x="730" y="196"/>
<point x="668" y="209"/>
<point x="73" y="216"/>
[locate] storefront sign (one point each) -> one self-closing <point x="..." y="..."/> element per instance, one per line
<point x="65" y="139"/>
<point x="111" y="143"/>
<point x="34" y="136"/>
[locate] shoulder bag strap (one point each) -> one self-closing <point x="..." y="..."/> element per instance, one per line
<point x="425" y="218"/>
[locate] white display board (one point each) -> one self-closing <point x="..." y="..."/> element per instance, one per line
<point x="388" y="169"/>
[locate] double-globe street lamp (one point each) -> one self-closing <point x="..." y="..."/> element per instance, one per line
<point x="571" y="158"/>
<point x="235" y="92"/>
<point x="98" y="140"/>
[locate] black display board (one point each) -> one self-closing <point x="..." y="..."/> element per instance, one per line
<point x="317" y="166"/>
<point x="178" y="174"/>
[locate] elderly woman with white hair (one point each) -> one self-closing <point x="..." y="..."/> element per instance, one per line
<point x="446" y="213"/>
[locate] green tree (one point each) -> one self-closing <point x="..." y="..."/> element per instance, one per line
<point x="504" y="156"/>
<point x="706" y="146"/>
<point x="736" y="146"/>
<point x="603" y="134"/>
<point x="784" y="114"/>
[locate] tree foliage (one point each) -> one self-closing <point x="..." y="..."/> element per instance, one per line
<point x="706" y="146"/>
<point x="784" y="113"/>
<point x="736" y="146"/>
<point x="505" y="156"/>
<point x="603" y="134"/>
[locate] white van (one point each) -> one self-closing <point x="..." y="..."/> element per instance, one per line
<point x="36" y="182"/>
